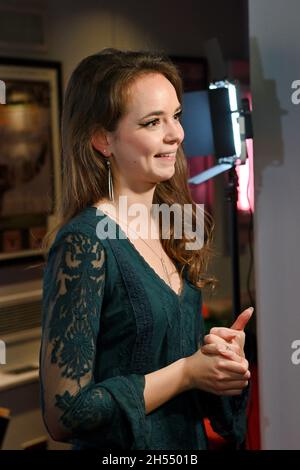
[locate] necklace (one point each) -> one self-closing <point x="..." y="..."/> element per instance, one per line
<point x="159" y="256"/>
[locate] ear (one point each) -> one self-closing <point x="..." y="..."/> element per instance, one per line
<point x="100" y="142"/>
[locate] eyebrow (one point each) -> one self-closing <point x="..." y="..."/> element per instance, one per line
<point x="159" y="113"/>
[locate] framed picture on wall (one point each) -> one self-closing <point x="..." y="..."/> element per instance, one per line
<point x="30" y="166"/>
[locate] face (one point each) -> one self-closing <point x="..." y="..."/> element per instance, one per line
<point x="146" y="140"/>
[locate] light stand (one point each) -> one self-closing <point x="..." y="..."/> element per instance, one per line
<point x="232" y="198"/>
<point x="231" y="193"/>
<point x="230" y="127"/>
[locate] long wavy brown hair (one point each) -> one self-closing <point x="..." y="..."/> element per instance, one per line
<point x="96" y="99"/>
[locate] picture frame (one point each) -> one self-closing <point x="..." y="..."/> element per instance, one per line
<point x="30" y="156"/>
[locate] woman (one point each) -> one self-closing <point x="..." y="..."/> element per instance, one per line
<point x="121" y="364"/>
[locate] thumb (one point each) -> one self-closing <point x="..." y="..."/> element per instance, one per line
<point x="242" y="319"/>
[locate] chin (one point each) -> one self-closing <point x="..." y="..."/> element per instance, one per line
<point x="159" y="176"/>
<point x="168" y="175"/>
<point x="164" y="176"/>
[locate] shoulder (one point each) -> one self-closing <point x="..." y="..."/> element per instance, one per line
<point x="83" y="224"/>
<point x="79" y="235"/>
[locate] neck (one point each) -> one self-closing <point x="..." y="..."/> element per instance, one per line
<point x="144" y="200"/>
<point x="130" y="206"/>
<point x="128" y="203"/>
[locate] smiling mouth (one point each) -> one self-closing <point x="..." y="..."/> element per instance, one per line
<point x="167" y="156"/>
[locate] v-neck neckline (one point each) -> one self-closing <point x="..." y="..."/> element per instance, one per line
<point x="179" y="295"/>
<point x="148" y="267"/>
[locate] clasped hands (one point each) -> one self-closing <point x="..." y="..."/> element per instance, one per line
<point x="223" y="351"/>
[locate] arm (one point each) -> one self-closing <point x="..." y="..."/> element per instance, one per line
<point x="210" y="373"/>
<point x="164" y="384"/>
<point x="74" y="406"/>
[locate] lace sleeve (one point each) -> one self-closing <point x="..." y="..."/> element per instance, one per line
<point x="73" y="404"/>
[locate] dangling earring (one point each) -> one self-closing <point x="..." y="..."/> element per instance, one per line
<point x="110" y="181"/>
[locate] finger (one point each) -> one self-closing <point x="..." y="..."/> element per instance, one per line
<point x="210" y="349"/>
<point x="231" y="351"/>
<point x="235" y="384"/>
<point x="236" y="377"/>
<point x="233" y="347"/>
<point x="234" y="366"/>
<point x="242" y="319"/>
<point x="214" y="339"/>
<point x="225" y="333"/>
<point x="235" y="340"/>
<point x="213" y="348"/>
<point x="232" y="355"/>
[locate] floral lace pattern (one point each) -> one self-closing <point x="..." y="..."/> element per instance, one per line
<point x="72" y="402"/>
<point x="74" y="323"/>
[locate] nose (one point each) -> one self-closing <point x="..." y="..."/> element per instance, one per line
<point x="174" y="133"/>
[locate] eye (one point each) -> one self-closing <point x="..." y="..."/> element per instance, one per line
<point x="151" y="123"/>
<point x="156" y="121"/>
<point x="178" y="115"/>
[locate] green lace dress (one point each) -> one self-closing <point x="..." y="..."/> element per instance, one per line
<point x="109" y="319"/>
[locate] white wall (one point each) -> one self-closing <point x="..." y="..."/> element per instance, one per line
<point x="275" y="52"/>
